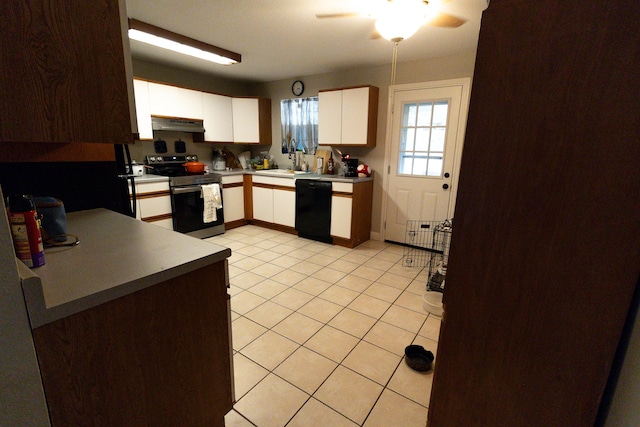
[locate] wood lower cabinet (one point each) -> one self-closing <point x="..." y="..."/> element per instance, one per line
<point x="153" y="202"/>
<point x="274" y="202"/>
<point x="233" y="201"/>
<point x="351" y="206"/>
<point x="273" y="205"/>
<point x="158" y="357"/>
<point x="544" y="258"/>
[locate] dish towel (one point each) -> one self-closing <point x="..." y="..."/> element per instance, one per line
<point x="212" y="201"/>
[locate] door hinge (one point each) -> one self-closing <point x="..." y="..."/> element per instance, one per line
<point x="388" y="169"/>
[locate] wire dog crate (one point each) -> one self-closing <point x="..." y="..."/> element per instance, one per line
<point x="427" y="245"/>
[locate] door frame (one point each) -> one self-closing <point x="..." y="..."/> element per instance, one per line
<point x="465" y="83"/>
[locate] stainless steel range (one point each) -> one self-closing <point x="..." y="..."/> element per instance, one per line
<point x="171" y="165"/>
<point x="196" y="210"/>
<point x="196" y="199"/>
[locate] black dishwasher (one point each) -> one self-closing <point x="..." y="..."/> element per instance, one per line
<point x="313" y="209"/>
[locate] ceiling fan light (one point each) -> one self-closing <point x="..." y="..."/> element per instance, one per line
<point x="400" y="19"/>
<point x="396" y="27"/>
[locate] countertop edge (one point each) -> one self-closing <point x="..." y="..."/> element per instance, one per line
<point x="235" y="172"/>
<point x="59" y="291"/>
<point x="40" y="315"/>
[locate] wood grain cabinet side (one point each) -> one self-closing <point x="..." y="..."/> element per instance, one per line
<point x="65" y="76"/>
<point x="158" y="357"/>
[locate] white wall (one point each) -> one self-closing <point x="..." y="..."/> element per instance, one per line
<point x="22" y="401"/>
<point x="450" y="67"/>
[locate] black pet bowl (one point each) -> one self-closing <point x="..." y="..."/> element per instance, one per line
<point x="418" y="358"/>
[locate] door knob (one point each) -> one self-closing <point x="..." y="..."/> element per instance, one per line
<point x="447" y="175"/>
<point x="445" y="186"/>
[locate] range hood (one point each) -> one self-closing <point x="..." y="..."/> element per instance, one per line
<point x="177" y="124"/>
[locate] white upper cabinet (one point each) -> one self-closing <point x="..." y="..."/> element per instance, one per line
<point x="245" y="120"/>
<point x="246" y="124"/>
<point x="143" y="113"/>
<point x="173" y="101"/>
<point x="330" y="118"/>
<point x="348" y="116"/>
<point x="218" y="117"/>
<point x="251" y="120"/>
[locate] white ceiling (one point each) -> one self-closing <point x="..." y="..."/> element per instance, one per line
<point x="281" y="39"/>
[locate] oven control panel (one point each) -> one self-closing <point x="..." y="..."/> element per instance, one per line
<point x="163" y="160"/>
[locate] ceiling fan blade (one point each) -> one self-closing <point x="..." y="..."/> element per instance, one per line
<point x="445" y="20"/>
<point x="337" y="15"/>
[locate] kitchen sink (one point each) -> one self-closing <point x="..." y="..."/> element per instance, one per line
<point x="275" y="172"/>
<point x="288" y="173"/>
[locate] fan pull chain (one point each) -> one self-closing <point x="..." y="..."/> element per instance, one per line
<point x="394" y="61"/>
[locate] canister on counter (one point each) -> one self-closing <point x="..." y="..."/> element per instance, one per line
<point x="25" y="230"/>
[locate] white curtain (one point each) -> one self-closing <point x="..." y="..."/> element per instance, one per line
<point x="300" y="120"/>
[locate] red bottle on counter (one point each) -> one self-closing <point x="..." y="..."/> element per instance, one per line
<point x="330" y="164"/>
<point x="25" y="230"/>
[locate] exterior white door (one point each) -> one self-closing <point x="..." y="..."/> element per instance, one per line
<point x="427" y="131"/>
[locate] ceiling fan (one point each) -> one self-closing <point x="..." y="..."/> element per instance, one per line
<point x="398" y="20"/>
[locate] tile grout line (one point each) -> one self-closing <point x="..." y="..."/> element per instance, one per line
<point x="376" y="252"/>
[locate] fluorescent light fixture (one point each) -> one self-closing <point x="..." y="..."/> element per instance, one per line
<point x="166" y="39"/>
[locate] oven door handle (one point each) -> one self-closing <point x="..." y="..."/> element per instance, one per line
<point x="190" y="189"/>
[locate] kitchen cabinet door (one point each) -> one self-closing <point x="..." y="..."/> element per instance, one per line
<point x="153" y="203"/>
<point x="246" y="128"/>
<point x="66" y="73"/>
<point x="263" y="204"/>
<point x="251" y="120"/>
<point x="330" y="118"/>
<point x="143" y="113"/>
<point x="284" y="207"/>
<point x="341" y="212"/>
<point x="218" y="117"/>
<point x="233" y="204"/>
<point x="348" y="116"/>
<point x="173" y="101"/>
<point x="355" y="116"/>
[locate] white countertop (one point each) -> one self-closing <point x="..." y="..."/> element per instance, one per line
<point x="117" y="256"/>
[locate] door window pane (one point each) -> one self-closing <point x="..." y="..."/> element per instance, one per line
<point x="423" y="134"/>
<point x="409" y="115"/>
<point x="424" y="116"/>
<point x="408" y="138"/>
<point x="440" y="113"/>
<point x="422" y="139"/>
<point x="437" y="139"/>
<point x="405" y="165"/>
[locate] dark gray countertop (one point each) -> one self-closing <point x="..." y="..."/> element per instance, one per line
<point x="268" y="172"/>
<point x="117" y="256"/>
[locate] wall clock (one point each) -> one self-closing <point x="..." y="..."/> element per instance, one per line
<point x="297" y="88"/>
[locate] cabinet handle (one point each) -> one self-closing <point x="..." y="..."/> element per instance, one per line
<point x="182" y="190"/>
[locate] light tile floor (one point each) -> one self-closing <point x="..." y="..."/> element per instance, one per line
<point x="319" y="332"/>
